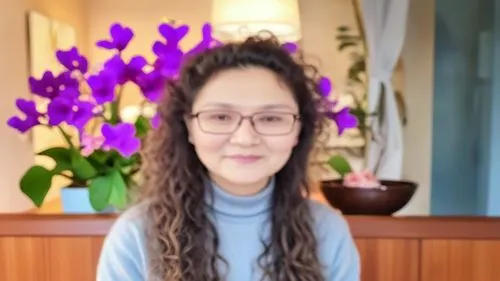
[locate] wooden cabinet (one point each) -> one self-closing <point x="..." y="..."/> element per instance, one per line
<point x="389" y="259"/>
<point x="48" y="258"/>
<point x="458" y="260"/>
<point x="62" y="247"/>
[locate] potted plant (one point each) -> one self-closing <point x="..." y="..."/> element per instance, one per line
<point x="358" y="191"/>
<point x="100" y="156"/>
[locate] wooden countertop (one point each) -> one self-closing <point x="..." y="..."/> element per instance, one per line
<point x="361" y="226"/>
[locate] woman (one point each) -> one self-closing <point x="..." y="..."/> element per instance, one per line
<point x="225" y="178"/>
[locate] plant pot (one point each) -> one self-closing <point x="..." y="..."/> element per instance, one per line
<point x="75" y="200"/>
<point x="390" y="198"/>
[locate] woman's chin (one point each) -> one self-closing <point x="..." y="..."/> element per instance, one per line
<point x="242" y="183"/>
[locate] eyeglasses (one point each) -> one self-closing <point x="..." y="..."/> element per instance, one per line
<point x="264" y="123"/>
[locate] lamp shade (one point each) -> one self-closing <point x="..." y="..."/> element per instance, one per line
<point x="237" y="19"/>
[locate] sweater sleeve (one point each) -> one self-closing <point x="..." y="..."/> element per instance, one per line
<point x="122" y="255"/>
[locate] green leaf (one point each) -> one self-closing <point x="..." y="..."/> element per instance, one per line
<point x="35" y="183"/>
<point x="350" y="38"/>
<point x="340" y="165"/>
<point x="346" y="44"/>
<point x="343" y="28"/>
<point x="118" y="196"/>
<point x="109" y="189"/>
<point x="62" y="157"/>
<point x="356" y="69"/>
<point x="142" y="126"/>
<point x="82" y="168"/>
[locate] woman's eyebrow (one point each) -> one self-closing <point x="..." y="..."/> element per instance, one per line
<point x="264" y="107"/>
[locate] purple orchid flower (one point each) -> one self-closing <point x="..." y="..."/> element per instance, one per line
<point x="169" y="54"/>
<point x="169" y="59"/>
<point x="31" y="116"/>
<point x="103" y="86"/>
<point x="125" y="72"/>
<point x="173" y="34"/>
<point x="324" y="86"/>
<point x="120" y="38"/>
<point x="155" y="121"/>
<point x="70" y="93"/>
<point x="121" y="137"/>
<point x="59" y="110"/>
<point x="83" y="112"/>
<point x="72" y="60"/>
<point x="290" y="47"/>
<point x="207" y="41"/>
<point x="343" y="119"/>
<point x="72" y="111"/>
<point x="49" y="86"/>
<point x="152" y="85"/>
<point x="90" y="143"/>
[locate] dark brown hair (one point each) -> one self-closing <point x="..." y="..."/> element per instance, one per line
<point x="179" y="227"/>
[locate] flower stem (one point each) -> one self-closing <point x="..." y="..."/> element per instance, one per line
<point x="66" y="137"/>
<point x="115" y="107"/>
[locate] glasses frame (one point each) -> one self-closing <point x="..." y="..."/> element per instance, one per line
<point x="296" y="117"/>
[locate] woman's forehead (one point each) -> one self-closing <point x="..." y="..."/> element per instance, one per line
<point x="246" y="87"/>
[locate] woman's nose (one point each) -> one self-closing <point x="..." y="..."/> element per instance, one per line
<point x="245" y="134"/>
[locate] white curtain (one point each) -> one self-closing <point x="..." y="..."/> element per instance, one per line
<point x="385" y="28"/>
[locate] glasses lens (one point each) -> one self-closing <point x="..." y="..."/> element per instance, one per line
<point x="265" y="123"/>
<point x="274" y="123"/>
<point x="218" y="122"/>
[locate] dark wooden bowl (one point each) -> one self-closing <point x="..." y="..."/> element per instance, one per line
<point x="369" y="201"/>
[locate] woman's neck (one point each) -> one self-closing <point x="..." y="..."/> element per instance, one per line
<point x="240" y="189"/>
<point x="230" y="205"/>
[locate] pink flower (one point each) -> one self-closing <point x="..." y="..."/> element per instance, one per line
<point x="91" y="143"/>
<point x="364" y="179"/>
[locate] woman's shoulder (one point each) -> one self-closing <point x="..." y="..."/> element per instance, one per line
<point x="328" y="221"/>
<point x="123" y="254"/>
<point x="134" y="217"/>
<point x="336" y="246"/>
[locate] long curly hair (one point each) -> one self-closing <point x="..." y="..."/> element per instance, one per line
<point x="182" y="242"/>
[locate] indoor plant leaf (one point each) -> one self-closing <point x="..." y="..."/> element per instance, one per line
<point x="118" y="197"/>
<point x="340" y="165"/>
<point x="35" y="183"/>
<point x="142" y="126"/>
<point x="62" y="157"/>
<point x="82" y="168"/>
<point x="109" y="189"/>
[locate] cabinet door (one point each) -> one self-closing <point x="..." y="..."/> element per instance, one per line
<point x="460" y="260"/>
<point x="389" y="259"/>
<point x="22" y="258"/>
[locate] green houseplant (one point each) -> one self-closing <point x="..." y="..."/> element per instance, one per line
<point x="353" y="42"/>
<point x="101" y="154"/>
<point x="359" y="191"/>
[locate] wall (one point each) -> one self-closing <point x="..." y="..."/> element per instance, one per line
<point x="458" y="108"/>
<point x="17" y="152"/>
<point x="465" y="157"/>
<point x="418" y="59"/>
<point x="493" y="207"/>
<point x="490" y="178"/>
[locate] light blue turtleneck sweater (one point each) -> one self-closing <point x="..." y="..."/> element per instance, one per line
<point x="240" y="222"/>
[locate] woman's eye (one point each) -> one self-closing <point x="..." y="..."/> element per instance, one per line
<point x="270" y="118"/>
<point x="221" y="117"/>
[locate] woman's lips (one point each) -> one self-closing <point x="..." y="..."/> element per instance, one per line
<point x="245" y="159"/>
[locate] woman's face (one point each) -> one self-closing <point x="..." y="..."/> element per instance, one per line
<point x="239" y="154"/>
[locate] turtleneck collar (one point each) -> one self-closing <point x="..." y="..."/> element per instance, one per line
<point x="227" y="204"/>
